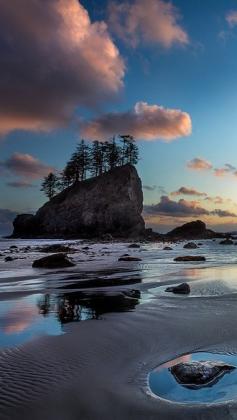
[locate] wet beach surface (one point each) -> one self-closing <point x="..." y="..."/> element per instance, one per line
<point x="97" y="330"/>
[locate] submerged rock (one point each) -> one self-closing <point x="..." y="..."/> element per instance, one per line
<point x="134" y="246"/>
<point x="187" y="258"/>
<point x="128" y="258"/>
<point x="53" y="261"/>
<point x="190" y="245"/>
<point x="198" y="374"/>
<point x="167" y="248"/>
<point x="110" y="204"/>
<point x="227" y="241"/>
<point x="182" y="289"/>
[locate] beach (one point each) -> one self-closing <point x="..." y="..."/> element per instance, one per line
<point x="95" y="363"/>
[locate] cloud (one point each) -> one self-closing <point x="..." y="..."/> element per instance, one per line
<point x="227" y="169"/>
<point x="182" y="208"/>
<point x="20" y="184"/>
<point x="231" y="18"/>
<point x="26" y="166"/>
<point x="199" y="164"/>
<point x="53" y="60"/>
<point x="6" y="218"/>
<point x="144" y="122"/>
<point x="150" y="187"/>
<point x="188" y="191"/>
<point x="147" y="21"/>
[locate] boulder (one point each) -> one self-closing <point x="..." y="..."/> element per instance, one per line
<point x="181" y="289"/>
<point x="192" y="230"/>
<point x="128" y="258"/>
<point x="134" y="246"/>
<point x="187" y="258"/>
<point x="53" y="261"/>
<point x="190" y="245"/>
<point x="226" y="241"/>
<point x="167" y="248"/>
<point x="8" y="259"/>
<point x="198" y="374"/>
<point x="111" y="204"/>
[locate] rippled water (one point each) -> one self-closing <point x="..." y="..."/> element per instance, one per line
<point x="36" y="302"/>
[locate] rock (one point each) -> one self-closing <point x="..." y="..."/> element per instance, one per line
<point x="7" y="259"/>
<point x="190" y="245"/>
<point x="111" y="203"/>
<point x="13" y="247"/>
<point x="56" y="248"/>
<point x="192" y="230"/>
<point x="198" y="374"/>
<point x="128" y="258"/>
<point x="53" y="261"/>
<point x="182" y="289"/>
<point x="107" y="237"/>
<point x="226" y="241"/>
<point x="167" y="248"/>
<point x="188" y="258"/>
<point x="134" y="246"/>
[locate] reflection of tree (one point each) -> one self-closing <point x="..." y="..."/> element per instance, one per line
<point x="77" y="306"/>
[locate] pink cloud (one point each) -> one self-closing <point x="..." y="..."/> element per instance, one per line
<point x="56" y="59"/>
<point x="25" y="165"/>
<point x="149" y="21"/>
<point x="188" y="191"/>
<point x="231" y="18"/>
<point x="144" y="122"/>
<point x="199" y="164"/>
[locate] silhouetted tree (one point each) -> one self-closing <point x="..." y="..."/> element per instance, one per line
<point x="113" y="154"/>
<point x="96" y="158"/>
<point x="50" y="185"/>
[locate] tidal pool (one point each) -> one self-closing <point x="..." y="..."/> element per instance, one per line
<point x="162" y="381"/>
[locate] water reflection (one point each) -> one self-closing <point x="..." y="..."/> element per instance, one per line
<point x="163" y="383"/>
<point x="79" y="305"/>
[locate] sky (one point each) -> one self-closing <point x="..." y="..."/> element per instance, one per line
<point x="164" y="71"/>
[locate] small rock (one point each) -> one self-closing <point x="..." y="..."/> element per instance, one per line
<point x="188" y="258"/>
<point x="13" y="247"/>
<point x="56" y="248"/>
<point x="190" y="245"/>
<point x="128" y="258"/>
<point x="182" y="289"/>
<point x="134" y="246"/>
<point x="7" y="259"/>
<point x="53" y="261"/>
<point x="167" y="248"/>
<point x="226" y="241"/>
<point x="199" y="373"/>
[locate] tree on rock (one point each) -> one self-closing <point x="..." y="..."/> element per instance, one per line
<point x="50" y="185"/>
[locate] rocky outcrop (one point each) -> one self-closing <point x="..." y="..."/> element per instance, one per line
<point x="193" y="230"/>
<point x="108" y="204"/>
<point x="198" y="374"/>
<point x="53" y="261"/>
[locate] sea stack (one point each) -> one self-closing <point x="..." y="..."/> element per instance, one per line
<point x="110" y="203"/>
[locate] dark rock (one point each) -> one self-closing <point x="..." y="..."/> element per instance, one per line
<point x="192" y="230"/>
<point x="188" y="258"/>
<point x="134" y="246"/>
<point x="182" y="289"/>
<point x="111" y="203"/>
<point x="7" y="259"/>
<point x="13" y="247"/>
<point x="227" y="241"/>
<point x="167" y="248"/>
<point x="53" y="261"/>
<point x="198" y="374"/>
<point x="128" y="258"/>
<point x="190" y="245"/>
<point x="56" y="248"/>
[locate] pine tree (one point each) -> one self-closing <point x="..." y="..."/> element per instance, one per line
<point x="96" y="158"/>
<point x="50" y="185"/>
<point x="132" y="152"/>
<point x="113" y="154"/>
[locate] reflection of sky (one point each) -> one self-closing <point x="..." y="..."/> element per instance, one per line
<point x="20" y="321"/>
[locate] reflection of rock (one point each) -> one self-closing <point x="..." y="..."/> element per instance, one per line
<point x="183" y="289"/>
<point x="53" y="261"/>
<point x="190" y="245"/>
<point x="187" y="258"/>
<point x="78" y="306"/>
<point x="128" y="258"/>
<point x="198" y="374"/>
<point x="226" y="241"/>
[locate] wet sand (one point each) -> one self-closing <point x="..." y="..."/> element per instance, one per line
<point x="98" y="369"/>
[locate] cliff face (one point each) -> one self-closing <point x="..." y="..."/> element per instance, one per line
<point x="111" y="203"/>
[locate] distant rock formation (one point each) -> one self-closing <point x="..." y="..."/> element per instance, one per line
<point x="108" y="204"/>
<point x="193" y="230"/>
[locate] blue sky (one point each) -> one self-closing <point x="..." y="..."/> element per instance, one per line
<point x="197" y="77"/>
